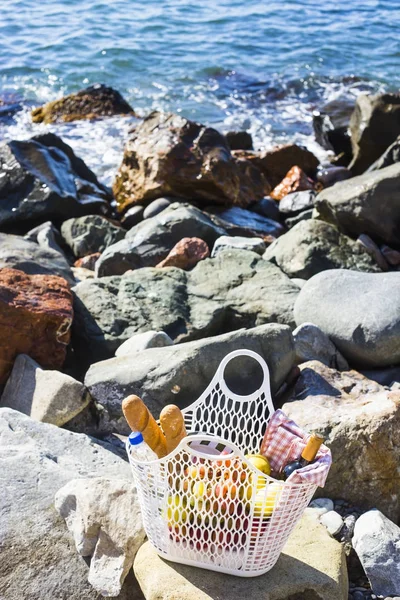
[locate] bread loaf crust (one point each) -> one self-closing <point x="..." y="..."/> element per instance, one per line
<point x="173" y="425"/>
<point x="139" y="418"/>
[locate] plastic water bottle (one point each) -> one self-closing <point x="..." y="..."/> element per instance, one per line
<point x="138" y="448"/>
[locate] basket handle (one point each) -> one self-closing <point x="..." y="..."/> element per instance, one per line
<point x="264" y="387"/>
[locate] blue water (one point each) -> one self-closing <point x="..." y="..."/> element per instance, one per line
<point x="231" y="63"/>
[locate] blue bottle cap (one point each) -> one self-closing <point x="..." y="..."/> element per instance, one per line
<point x="135" y="438"/>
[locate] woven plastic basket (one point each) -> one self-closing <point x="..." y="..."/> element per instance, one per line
<point x="217" y="511"/>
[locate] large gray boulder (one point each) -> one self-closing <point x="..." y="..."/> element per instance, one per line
<point x="38" y="557"/>
<point x="314" y="246"/>
<point x="149" y="242"/>
<point x="367" y="204"/>
<point x="360" y="312"/>
<point x="47" y="396"/>
<point x="374" y="125"/>
<point x="179" y="374"/>
<point x="42" y="179"/>
<point x="18" y="253"/>
<point x="90" y="234"/>
<point x="377" y="543"/>
<point x="236" y="289"/>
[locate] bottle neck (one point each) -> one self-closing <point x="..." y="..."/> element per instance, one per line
<point x="310" y="451"/>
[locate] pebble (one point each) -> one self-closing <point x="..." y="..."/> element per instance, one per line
<point x="332" y="521"/>
<point x="156" y="207"/>
<point x="325" y="503"/>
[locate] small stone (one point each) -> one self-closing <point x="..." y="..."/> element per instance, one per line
<point x="142" y="341"/>
<point x="87" y="262"/>
<point x="297" y="202"/>
<point x="322" y="503"/>
<point x="330" y="176"/>
<point x="267" y="207"/>
<point x="186" y="254"/>
<point x="90" y="234"/>
<point x="305" y="215"/>
<point x="311" y="343"/>
<point x="133" y="216"/>
<point x="332" y="521"/>
<point x="373" y="250"/>
<point x="226" y="242"/>
<point x="156" y="207"/>
<point x="294" y="181"/>
<point x="392" y="256"/>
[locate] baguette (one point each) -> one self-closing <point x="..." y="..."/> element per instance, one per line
<point x="139" y="418"/>
<point x="173" y="425"/>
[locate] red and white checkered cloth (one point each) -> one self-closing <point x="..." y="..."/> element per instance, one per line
<point x="284" y="441"/>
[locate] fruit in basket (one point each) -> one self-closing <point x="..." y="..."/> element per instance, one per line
<point x="260" y="462"/>
<point x="177" y="512"/>
<point x="266" y="499"/>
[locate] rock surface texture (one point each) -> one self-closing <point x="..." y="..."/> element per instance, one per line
<point x="377" y="543"/>
<point x="311" y="343"/>
<point x="90" y="234"/>
<point x="42" y="179"/>
<point x="227" y="242"/>
<point x="313" y="246"/>
<point x="360" y="312"/>
<point x="90" y="103"/>
<point x="367" y="204"/>
<point x="38" y="556"/>
<point x="170" y="155"/>
<point x="47" y="396"/>
<point x="311" y="567"/>
<point x="143" y="341"/>
<point x="295" y="180"/>
<point x="179" y="374"/>
<point x="35" y="319"/>
<point x="236" y="289"/>
<point x="103" y="516"/>
<point x="186" y="254"/>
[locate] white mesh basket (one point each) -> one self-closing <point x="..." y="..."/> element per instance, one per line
<point x="217" y="511"/>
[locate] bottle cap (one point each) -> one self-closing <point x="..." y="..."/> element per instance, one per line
<point x="310" y="451"/>
<point x="135" y="438"/>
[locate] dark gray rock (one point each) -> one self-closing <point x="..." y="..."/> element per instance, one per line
<point x="239" y="140"/>
<point x="179" y="374"/>
<point x="374" y="124"/>
<point x="267" y="207"/>
<point x="236" y="289"/>
<point x="133" y="216"/>
<point x="311" y="343"/>
<point x="42" y="179"/>
<point x="150" y="242"/>
<point x="38" y="556"/>
<point x="17" y="253"/>
<point x="239" y="221"/>
<point x="90" y="234"/>
<point x="305" y="215"/>
<point x="297" y="202"/>
<point x="313" y="246"/>
<point x="328" y="176"/>
<point x="156" y="207"/>
<point x="331" y="127"/>
<point x="390" y="157"/>
<point x="360" y="312"/>
<point x="367" y="204"/>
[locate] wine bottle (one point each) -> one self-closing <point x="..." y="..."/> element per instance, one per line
<point x="307" y="456"/>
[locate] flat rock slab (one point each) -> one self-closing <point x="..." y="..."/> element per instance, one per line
<point x="311" y="567"/>
<point x="38" y="555"/>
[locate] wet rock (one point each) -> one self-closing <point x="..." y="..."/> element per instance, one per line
<point x="37" y="459"/>
<point x="47" y="396"/>
<point x="150" y="242"/>
<point x="239" y="221"/>
<point x="313" y="344"/>
<point x="226" y="242"/>
<point x="103" y="515"/>
<point x="133" y="216"/>
<point x="329" y="176"/>
<point x="276" y="162"/>
<point x="313" y="246"/>
<point x="312" y="566"/>
<point x="172" y="156"/>
<point x="156" y="207"/>
<point x="90" y="234"/>
<point x="239" y="140"/>
<point x="360" y="312"/>
<point x="365" y="204"/>
<point x="295" y="180"/>
<point x="180" y="373"/>
<point x="296" y="202"/>
<point x="267" y="207"/>
<point x="88" y="262"/>
<point x="95" y="101"/>
<point x="186" y="254"/>
<point x="42" y="179"/>
<point x="236" y="289"/>
<point x="142" y="341"/>
<point x="377" y="541"/>
<point x="35" y="319"/>
<point x="375" y="125"/>
<point x="347" y="420"/>
<point x="332" y="521"/>
<point x="373" y="250"/>
<point x="389" y="157"/>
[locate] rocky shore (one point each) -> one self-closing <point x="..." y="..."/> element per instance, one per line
<point x="202" y="246"/>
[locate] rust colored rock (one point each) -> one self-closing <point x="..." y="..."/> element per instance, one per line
<point x="35" y="319"/>
<point x="275" y="163"/>
<point x="90" y="103"/>
<point x="186" y="254"/>
<point x="169" y="155"/>
<point x="88" y="262"/>
<point x="295" y="181"/>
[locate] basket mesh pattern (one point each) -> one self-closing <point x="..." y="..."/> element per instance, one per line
<point x="218" y="511"/>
